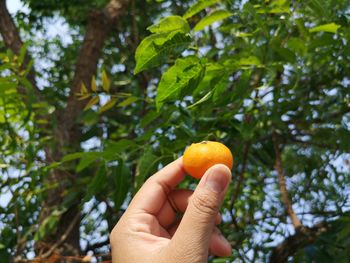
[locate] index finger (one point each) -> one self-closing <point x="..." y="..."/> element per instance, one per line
<point x="152" y="195"/>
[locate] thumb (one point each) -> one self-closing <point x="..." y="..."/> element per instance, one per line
<point x="196" y="227"/>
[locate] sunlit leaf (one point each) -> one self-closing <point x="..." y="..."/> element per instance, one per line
<point x="108" y="105"/>
<point x="83" y="89"/>
<point x="199" y="6"/>
<point x="48" y="225"/>
<point x="170" y="23"/>
<point x="184" y="75"/>
<point x="93" y="84"/>
<point x="156" y="49"/>
<point x="331" y="28"/>
<point x="130" y="100"/>
<point x="202" y="100"/>
<point x="212" y="18"/>
<point x="92" y="102"/>
<point x="105" y="82"/>
<point x="251" y="60"/>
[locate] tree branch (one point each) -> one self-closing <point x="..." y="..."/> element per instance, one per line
<point x="62" y="238"/>
<point x="239" y="181"/>
<point x="282" y="184"/>
<point x="299" y="240"/>
<point x="95" y="246"/>
<point x="67" y="134"/>
<point x="99" y="26"/>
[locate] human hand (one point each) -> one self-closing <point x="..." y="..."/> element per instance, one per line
<point x="150" y="231"/>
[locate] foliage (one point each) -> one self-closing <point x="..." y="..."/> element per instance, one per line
<point x="231" y="71"/>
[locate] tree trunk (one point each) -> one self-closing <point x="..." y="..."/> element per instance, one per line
<point x="64" y="240"/>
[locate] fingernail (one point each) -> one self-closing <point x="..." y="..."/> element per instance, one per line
<point x="217" y="181"/>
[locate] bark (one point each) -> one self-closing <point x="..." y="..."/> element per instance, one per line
<point x="68" y="132"/>
<point x="99" y="25"/>
<point x="9" y="30"/>
<point x="282" y="184"/>
<point x="65" y="240"/>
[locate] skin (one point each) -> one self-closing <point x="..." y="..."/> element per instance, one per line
<point x="150" y="230"/>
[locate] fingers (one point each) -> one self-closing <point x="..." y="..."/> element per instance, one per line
<point x="153" y="194"/>
<point x="194" y="233"/>
<point x="177" y="202"/>
<point x="219" y="246"/>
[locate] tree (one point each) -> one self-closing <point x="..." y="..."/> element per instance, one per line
<point x="139" y="81"/>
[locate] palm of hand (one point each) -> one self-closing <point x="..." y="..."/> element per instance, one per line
<point x="152" y="231"/>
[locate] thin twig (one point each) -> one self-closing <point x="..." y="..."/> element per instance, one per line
<point x="282" y="183"/>
<point x="97" y="245"/>
<point x="240" y="177"/>
<point x="62" y="238"/>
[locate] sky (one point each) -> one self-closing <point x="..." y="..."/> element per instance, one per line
<point x="15" y="5"/>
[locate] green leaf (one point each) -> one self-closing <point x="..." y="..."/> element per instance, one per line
<point x="297" y="45"/>
<point x="93" y="84"/>
<point x="279" y="6"/>
<point x="92" y="102"/>
<point x="170" y="23"/>
<point x="83" y="89"/>
<point x="113" y="149"/>
<point x="220" y="87"/>
<point x="212" y="71"/>
<point x="145" y="167"/>
<point x="300" y="23"/>
<point x="6" y="85"/>
<point x="156" y="49"/>
<point x="108" y="105"/>
<point x="244" y="62"/>
<point x="84" y="97"/>
<point x="285" y="54"/>
<point x="317" y="8"/>
<point x="214" y="68"/>
<point x="203" y="99"/>
<point x="48" y="225"/>
<point x="212" y="18"/>
<point x="121" y="178"/>
<point x="86" y="159"/>
<point x="26" y="83"/>
<point x="183" y="75"/>
<point x="105" y="82"/>
<point x="331" y="28"/>
<point x="198" y="6"/>
<point x="72" y="156"/>
<point x="282" y="9"/>
<point x="97" y="184"/>
<point x="241" y="89"/>
<point x="22" y="53"/>
<point x="222" y="260"/>
<point x="249" y="61"/>
<point x="149" y="117"/>
<point x="128" y="101"/>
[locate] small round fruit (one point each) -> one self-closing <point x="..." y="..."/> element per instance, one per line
<point x="199" y="157"/>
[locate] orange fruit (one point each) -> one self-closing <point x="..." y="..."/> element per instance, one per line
<point x="199" y="157"/>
